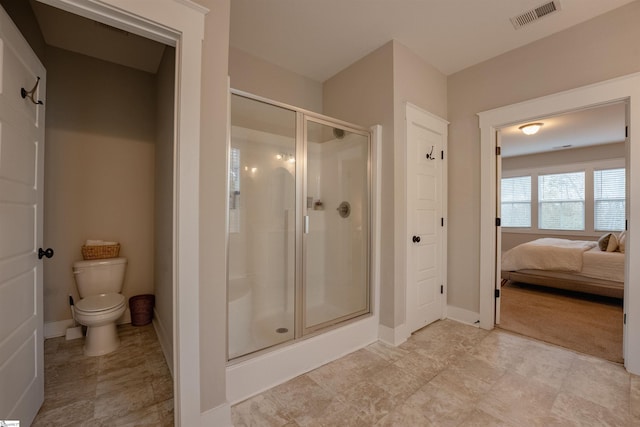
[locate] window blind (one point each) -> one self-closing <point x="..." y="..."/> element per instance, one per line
<point x="609" y="199"/>
<point x="516" y="201"/>
<point x="561" y="201"/>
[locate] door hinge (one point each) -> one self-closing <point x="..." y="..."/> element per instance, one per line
<point x="442" y="155"/>
<point x="441" y="222"/>
<point x="624" y="319"/>
<point x="497" y="151"/>
<point x="442" y="289"/>
<point x="497" y="293"/>
<point x="626" y="131"/>
<point x="498" y="222"/>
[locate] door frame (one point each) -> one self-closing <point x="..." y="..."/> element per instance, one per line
<point x="618" y="89"/>
<point x="180" y="24"/>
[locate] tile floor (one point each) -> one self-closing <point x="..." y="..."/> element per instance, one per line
<point x="450" y="374"/>
<point x="131" y="386"/>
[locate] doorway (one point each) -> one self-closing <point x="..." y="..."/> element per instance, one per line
<point x="172" y="22"/>
<point x="623" y="88"/>
<point x="567" y="183"/>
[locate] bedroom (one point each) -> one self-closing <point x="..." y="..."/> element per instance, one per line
<point x="573" y="170"/>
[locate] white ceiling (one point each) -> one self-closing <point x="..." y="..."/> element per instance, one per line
<point x="318" y="38"/>
<point x="594" y="126"/>
<point x="71" y="32"/>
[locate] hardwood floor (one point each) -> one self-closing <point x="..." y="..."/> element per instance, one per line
<point x="585" y="323"/>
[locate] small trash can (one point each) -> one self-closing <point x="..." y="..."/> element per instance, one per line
<point x="141" y="307"/>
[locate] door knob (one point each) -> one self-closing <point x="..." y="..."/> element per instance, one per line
<point x="45" y="252"/>
<point x="416" y="239"/>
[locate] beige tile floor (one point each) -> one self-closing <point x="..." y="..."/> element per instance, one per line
<point x="450" y="374"/>
<point x="131" y="386"/>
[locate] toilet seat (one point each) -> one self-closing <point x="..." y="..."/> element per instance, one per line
<point x="100" y="304"/>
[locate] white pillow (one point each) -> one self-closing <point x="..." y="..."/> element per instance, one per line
<point x="608" y="242"/>
<point x="613" y="243"/>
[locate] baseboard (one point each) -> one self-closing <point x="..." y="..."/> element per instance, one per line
<point x="57" y="329"/>
<point x="218" y="416"/>
<point x="393" y="336"/>
<point x="463" y="316"/>
<point x="164" y="338"/>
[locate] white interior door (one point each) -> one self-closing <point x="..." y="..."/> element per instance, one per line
<point x="21" y="180"/>
<point x="426" y="254"/>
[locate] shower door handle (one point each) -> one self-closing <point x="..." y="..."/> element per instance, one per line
<point x="306" y="224"/>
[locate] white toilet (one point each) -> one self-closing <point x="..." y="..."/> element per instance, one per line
<point x="99" y="284"/>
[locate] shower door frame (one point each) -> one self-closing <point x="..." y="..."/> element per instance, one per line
<point x="302" y="117"/>
<point x="301" y="288"/>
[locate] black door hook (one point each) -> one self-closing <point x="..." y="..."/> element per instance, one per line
<point x="45" y="252"/>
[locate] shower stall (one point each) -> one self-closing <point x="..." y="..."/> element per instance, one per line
<point x="299" y="224"/>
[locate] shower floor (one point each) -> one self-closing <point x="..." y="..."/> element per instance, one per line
<point x="277" y="328"/>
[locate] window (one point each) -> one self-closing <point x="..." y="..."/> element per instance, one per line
<point x="516" y="202"/>
<point x="234" y="191"/>
<point x="561" y="201"/>
<point x="609" y="199"/>
<point x="572" y="199"/>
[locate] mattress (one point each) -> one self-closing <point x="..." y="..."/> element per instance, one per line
<point x="603" y="265"/>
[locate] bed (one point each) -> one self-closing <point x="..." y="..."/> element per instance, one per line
<point x="574" y="265"/>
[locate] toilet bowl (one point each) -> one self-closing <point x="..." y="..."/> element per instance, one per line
<point x="99" y="314"/>
<point x="99" y="284"/>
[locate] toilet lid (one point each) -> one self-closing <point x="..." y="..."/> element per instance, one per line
<point x="100" y="302"/>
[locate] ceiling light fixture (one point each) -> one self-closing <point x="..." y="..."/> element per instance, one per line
<point x="531" y="128"/>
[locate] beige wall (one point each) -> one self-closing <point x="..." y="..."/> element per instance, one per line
<point x="596" y="50"/>
<point x="416" y="82"/>
<point x="163" y="202"/>
<point x="213" y="209"/>
<point x="259" y="77"/>
<point x="375" y="90"/>
<point x="363" y="94"/>
<point x="564" y="157"/>
<point x="99" y="162"/>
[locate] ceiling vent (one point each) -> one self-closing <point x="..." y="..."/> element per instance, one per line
<point x="534" y="14"/>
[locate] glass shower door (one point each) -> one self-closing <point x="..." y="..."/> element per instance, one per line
<point x="336" y="225"/>
<point x="261" y="248"/>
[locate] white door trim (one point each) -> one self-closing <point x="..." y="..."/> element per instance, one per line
<point x="618" y="89"/>
<point x="179" y="23"/>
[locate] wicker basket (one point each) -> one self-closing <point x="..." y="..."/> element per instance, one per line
<point x="141" y="307"/>
<point x="100" y="251"/>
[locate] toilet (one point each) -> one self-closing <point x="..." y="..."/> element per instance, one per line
<point x="99" y="284"/>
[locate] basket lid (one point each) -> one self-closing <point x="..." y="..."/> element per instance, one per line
<point x="97" y="262"/>
<point x="100" y="302"/>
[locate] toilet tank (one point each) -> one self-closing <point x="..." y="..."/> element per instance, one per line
<point x="100" y="276"/>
